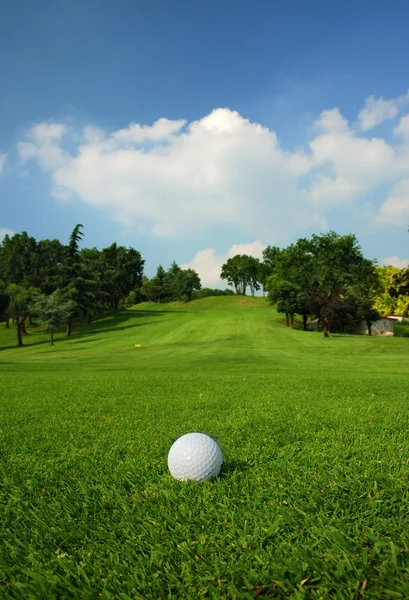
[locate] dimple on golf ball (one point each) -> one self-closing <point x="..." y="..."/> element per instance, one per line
<point x="195" y="456"/>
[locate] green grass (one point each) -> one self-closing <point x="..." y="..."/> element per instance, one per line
<point x="313" y="501"/>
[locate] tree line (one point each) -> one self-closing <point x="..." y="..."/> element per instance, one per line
<point x="325" y="278"/>
<point x="56" y="283"/>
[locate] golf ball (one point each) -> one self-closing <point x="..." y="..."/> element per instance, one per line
<point x="195" y="456"/>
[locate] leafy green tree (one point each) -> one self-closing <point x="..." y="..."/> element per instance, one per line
<point x="158" y="287"/>
<point x="134" y="297"/>
<point x="47" y="265"/>
<point x="294" y="265"/>
<point x="122" y="270"/>
<point x="159" y="284"/>
<point x="363" y="293"/>
<point x="270" y="256"/>
<point x="336" y="264"/>
<point x="4" y="302"/>
<point x="285" y="296"/>
<point x="169" y="280"/>
<point x="148" y="293"/>
<point x="242" y="271"/>
<point x="384" y="303"/>
<point x="332" y="277"/>
<point x="264" y="273"/>
<point x="232" y="272"/>
<point x="185" y="283"/>
<point x="17" y="254"/>
<point x="19" y="306"/>
<point x="252" y="272"/>
<point x="52" y="310"/>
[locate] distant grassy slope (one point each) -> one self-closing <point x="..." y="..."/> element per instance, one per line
<point x="313" y="501"/>
<point x="233" y="332"/>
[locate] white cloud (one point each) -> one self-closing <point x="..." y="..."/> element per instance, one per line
<point x="44" y="146"/>
<point x="221" y="169"/>
<point x="395" y="211"/>
<point x="2" y="161"/>
<point x="208" y="264"/>
<point x="4" y="231"/>
<point x="161" y="130"/>
<point x="377" y="110"/>
<point x="332" y="120"/>
<point x="396" y="261"/>
<point x="357" y="165"/>
<point x="178" y="179"/>
<point x="403" y="128"/>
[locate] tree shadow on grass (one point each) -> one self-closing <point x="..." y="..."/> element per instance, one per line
<point x="24" y="346"/>
<point x="87" y="341"/>
<point x="113" y="322"/>
<point x="118" y="322"/>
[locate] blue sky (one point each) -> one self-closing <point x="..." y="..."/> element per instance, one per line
<point x="192" y="130"/>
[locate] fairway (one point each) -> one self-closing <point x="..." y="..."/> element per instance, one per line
<point x="313" y="497"/>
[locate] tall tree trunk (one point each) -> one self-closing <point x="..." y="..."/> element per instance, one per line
<point x="8" y="322"/>
<point x="23" y="326"/>
<point x="326" y="328"/>
<point x="369" y="324"/>
<point x="287" y="320"/>
<point x="69" y="325"/>
<point x="19" y="336"/>
<point x="52" y="336"/>
<point x="304" y="322"/>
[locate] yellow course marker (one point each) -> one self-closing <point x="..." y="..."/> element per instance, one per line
<point x="137" y="345"/>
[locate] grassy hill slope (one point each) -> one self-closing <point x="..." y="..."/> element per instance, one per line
<point x="313" y="498"/>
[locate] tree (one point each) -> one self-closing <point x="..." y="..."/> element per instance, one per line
<point x="158" y="288"/>
<point x="284" y="295"/>
<point x="294" y="265"/>
<point x="232" y="272"/>
<point x="392" y="297"/>
<point x="52" y="310"/>
<point x="363" y="294"/>
<point x="17" y="254"/>
<point x="332" y="277"/>
<point x="147" y="290"/>
<point x="4" y="302"/>
<point x="122" y="270"/>
<point x="241" y="271"/>
<point x="336" y="265"/>
<point x="79" y="287"/>
<point x="169" y="280"/>
<point x="159" y="284"/>
<point x="47" y="265"/>
<point x="271" y="255"/>
<point x="19" y="306"/>
<point x="252" y="272"/>
<point x="184" y="284"/>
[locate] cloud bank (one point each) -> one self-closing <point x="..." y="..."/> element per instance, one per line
<point x="177" y="179"/>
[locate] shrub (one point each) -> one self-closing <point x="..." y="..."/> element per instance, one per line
<point x="401" y="329"/>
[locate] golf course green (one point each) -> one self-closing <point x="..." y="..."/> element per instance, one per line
<point x="313" y="500"/>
